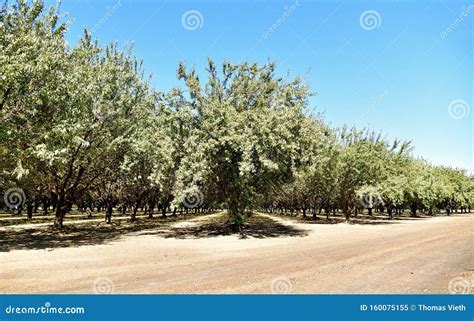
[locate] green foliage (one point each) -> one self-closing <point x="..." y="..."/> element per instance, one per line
<point x="82" y="124"/>
<point x="244" y="140"/>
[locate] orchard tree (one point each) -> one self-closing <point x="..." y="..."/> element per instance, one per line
<point x="360" y="163"/>
<point x="65" y="111"/>
<point x="32" y="52"/>
<point x="148" y="163"/>
<point x="393" y="188"/>
<point x="82" y="126"/>
<point x="245" y="140"/>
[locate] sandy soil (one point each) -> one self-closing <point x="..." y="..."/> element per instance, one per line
<point x="409" y="256"/>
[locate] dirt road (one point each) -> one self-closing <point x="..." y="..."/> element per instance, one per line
<point x="410" y="256"/>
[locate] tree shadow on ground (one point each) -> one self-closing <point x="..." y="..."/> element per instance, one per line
<point x="256" y="226"/>
<point x="360" y="219"/>
<point x="9" y="219"/>
<point x="90" y="233"/>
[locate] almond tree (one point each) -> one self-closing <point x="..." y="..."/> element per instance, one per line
<point x="245" y="140"/>
<point x="360" y="163"/>
<point x="32" y="49"/>
<point x="75" y="107"/>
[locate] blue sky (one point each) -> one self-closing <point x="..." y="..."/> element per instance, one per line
<point x="395" y="66"/>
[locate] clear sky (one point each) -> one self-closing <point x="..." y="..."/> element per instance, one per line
<point x="401" y="67"/>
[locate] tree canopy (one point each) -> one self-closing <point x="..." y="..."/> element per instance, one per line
<point x="82" y="126"/>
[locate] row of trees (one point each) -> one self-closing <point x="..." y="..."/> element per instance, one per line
<point x="82" y="126"/>
<point x="362" y="171"/>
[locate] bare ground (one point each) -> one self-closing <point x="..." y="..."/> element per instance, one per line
<point x="199" y="256"/>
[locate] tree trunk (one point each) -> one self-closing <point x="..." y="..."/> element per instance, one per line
<point x="163" y="210"/>
<point x="45" y="207"/>
<point x="61" y="209"/>
<point x="133" y="217"/>
<point x="108" y="214"/>
<point x="236" y="214"/>
<point x="29" y="208"/>
<point x="152" y="209"/>
<point x="58" y="220"/>
<point x="346" y="211"/>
